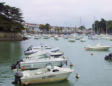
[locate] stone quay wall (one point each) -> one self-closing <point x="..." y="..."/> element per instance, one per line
<point x="9" y="36"/>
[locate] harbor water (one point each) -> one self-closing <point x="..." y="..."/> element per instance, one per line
<point x="93" y="69"/>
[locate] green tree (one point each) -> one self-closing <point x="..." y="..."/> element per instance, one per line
<point x="10" y="19"/>
<point x="82" y="27"/>
<point x="45" y="27"/>
<point x="109" y="26"/>
<point x="100" y="26"/>
<point x="41" y="27"/>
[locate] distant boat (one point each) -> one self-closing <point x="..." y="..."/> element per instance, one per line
<point x="98" y="47"/>
<point x="31" y="49"/>
<point x="82" y="40"/>
<point x="46" y="36"/>
<point x="65" y="36"/>
<point x="27" y="36"/>
<point x="56" y="37"/>
<point x="71" y="39"/>
<point x="37" y="37"/>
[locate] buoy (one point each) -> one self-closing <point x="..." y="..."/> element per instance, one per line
<point x="91" y="54"/>
<point x="23" y="68"/>
<point x="77" y="76"/>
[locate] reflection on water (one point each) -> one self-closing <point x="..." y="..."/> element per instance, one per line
<point x="9" y="53"/>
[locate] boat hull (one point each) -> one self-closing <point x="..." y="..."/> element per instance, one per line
<point x="71" y="40"/>
<point x="97" y="48"/>
<point x="46" y="79"/>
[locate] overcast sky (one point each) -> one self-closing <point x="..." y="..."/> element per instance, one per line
<point x="63" y="12"/>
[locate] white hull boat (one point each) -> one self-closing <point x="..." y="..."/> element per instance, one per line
<point x="32" y="50"/>
<point x="65" y="36"/>
<point x="82" y="40"/>
<point x="46" y="36"/>
<point x="45" y="75"/>
<point x="56" y="38"/>
<point x="36" y="37"/>
<point x="98" y="48"/>
<point x="71" y="40"/>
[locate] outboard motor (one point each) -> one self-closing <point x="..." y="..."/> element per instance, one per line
<point x="18" y="76"/>
<point x="17" y="65"/>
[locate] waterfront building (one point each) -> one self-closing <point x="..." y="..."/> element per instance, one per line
<point x="32" y="27"/>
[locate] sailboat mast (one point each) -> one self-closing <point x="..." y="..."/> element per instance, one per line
<point x="106" y="27"/>
<point x="94" y="25"/>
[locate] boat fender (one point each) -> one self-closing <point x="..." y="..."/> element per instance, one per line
<point x="77" y="76"/>
<point x="23" y="68"/>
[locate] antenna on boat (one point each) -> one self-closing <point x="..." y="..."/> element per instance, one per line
<point x="106" y="27"/>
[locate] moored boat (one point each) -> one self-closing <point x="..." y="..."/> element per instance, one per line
<point x="45" y="75"/>
<point x="98" y="47"/>
<point x="82" y="40"/>
<point x="71" y="39"/>
<point x="36" y="63"/>
<point x="56" y="37"/>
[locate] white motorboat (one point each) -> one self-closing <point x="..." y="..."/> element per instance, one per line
<point x="56" y="37"/>
<point x="82" y="40"/>
<point x="45" y="75"/>
<point x="36" y="37"/>
<point x="46" y="36"/>
<point x="32" y="50"/>
<point x="27" y="36"/>
<point x="65" y="36"/>
<point x="98" y="47"/>
<point x="94" y="37"/>
<point x="35" y="63"/>
<point x="71" y="40"/>
<point x="78" y="37"/>
<point x="43" y="53"/>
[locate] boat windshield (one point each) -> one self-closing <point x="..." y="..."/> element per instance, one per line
<point x="55" y="70"/>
